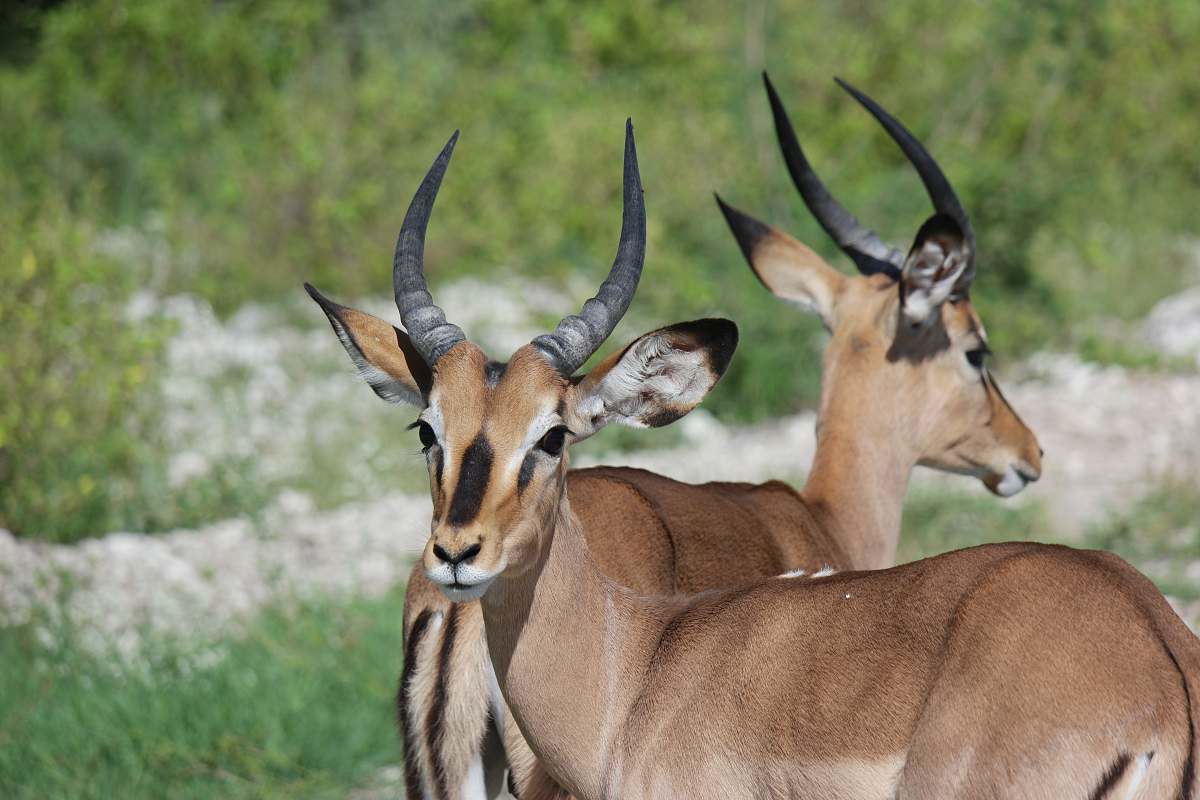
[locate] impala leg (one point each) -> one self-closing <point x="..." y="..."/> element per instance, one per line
<point x="443" y="702"/>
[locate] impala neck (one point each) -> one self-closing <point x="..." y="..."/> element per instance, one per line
<point x="857" y="484"/>
<point x="568" y="647"/>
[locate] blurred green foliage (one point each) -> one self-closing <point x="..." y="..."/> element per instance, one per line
<point x="275" y="141"/>
<point x="1160" y="535"/>
<point x="77" y="418"/>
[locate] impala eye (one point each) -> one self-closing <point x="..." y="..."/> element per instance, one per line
<point x="425" y="431"/>
<point x="552" y="443"/>
<point x="976" y="357"/>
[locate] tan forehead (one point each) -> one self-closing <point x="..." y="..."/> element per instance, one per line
<point x="472" y="393"/>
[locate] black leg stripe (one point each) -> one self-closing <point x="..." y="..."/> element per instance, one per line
<point x="1111" y="777"/>
<point x="435" y="720"/>
<point x="412" y="777"/>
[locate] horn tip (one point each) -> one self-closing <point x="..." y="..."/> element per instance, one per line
<point x="854" y="92"/>
<point x="772" y="94"/>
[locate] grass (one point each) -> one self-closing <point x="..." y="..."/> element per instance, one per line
<point x="1160" y="534"/>
<point x="300" y="705"/>
<point x="939" y="521"/>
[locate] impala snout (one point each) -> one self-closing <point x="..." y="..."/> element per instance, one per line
<point x="1016" y="477"/>
<point x="460" y="566"/>
<point x="1019" y="472"/>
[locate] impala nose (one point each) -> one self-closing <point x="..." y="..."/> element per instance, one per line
<point x="454" y="559"/>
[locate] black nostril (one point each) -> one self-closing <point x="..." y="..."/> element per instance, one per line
<point x="453" y="560"/>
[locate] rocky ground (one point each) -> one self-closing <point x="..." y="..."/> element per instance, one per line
<point x="1110" y="435"/>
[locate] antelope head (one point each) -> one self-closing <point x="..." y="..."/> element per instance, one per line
<point x="495" y="435"/>
<point x="908" y="350"/>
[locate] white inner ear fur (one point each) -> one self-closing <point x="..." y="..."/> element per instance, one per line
<point x="385" y="385"/>
<point x="651" y="373"/>
<point x="929" y="278"/>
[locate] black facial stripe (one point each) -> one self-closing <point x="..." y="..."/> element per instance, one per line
<point x="473" y="478"/>
<point x="438" y="462"/>
<point x="526" y="473"/>
<point x="990" y="381"/>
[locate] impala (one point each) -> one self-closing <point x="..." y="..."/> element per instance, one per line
<point x="688" y="538"/>
<point x="1017" y="670"/>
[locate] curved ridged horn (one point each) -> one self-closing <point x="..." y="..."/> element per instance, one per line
<point x="939" y="189"/>
<point x="578" y="336"/>
<point x="426" y="324"/>
<point x="869" y="253"/>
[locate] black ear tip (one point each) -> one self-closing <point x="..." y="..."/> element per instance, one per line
<point x="728" y="331"/>
<point x="746" y="229"/>
<point x="940" y="224"/>
<point x="720" y="338"/>
<point x="327" y="305"/>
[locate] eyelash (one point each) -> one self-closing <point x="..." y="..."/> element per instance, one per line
<point x="425" y="431"/>
<point x="977" y="356"/>
<point x="554" y="440"/>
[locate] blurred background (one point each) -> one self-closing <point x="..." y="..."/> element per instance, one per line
<point x="206" y="518"/>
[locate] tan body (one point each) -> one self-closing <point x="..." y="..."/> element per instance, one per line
<point x="1001" y="671"/>
<point x="690" y="538"/>
<point x="661" y="536"/>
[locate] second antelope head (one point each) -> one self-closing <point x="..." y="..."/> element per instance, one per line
<point x="908" y="351"/>
<point x="495" y="434"/>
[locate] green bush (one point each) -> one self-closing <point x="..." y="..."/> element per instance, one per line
<point x="78" y="420"/>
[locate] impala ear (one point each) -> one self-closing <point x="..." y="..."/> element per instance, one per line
<point x="655" y="380"/>
<point x="790" y="270"/>
<point x="384" y="354"/>
<point x="936" y="268"/>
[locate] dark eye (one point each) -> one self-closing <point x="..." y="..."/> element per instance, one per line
<point x="552" y="443"/>
<point x="975" y="357"/>
<point x="428" y="438"/>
